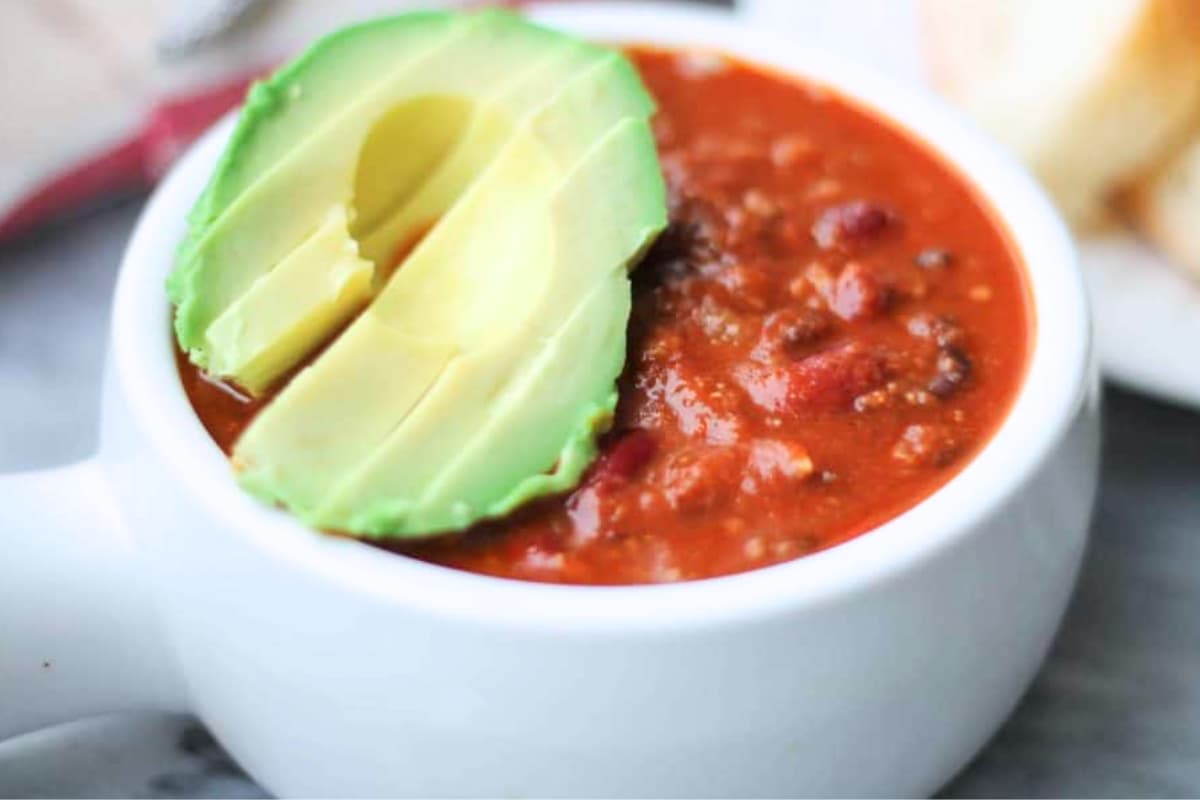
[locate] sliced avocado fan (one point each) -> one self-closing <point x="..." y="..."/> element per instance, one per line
<point x="306" y="155"/>
<point x="476" y="374"/>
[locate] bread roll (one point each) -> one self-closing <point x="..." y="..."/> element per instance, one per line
<point x="1165" y="205"/>
<point x="1087" y="92"/>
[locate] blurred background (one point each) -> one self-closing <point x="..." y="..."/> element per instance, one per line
<point x="1100" y="98"/>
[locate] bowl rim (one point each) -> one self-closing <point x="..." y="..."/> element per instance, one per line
<point x="1053" y="389"/>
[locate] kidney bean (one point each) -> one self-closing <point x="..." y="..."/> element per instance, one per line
<point x="836" y="376"/>
<point x="830" y="378"/>
<point x="849" y="224"/>
<point x="623" y="460"/>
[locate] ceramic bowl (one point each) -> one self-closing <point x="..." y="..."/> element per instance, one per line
<point x="144" y="577"/>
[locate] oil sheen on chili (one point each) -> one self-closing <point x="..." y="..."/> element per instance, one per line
<point x="831" y="327"/>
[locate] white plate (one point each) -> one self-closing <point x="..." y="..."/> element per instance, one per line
<point x="1147" y="312"/>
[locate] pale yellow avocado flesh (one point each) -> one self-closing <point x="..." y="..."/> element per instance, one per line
<point x="487" y="308"/>
<point x="586" y="352"/>
<point x="292" y="308"/>
<point x="494" y="122"/>
<point x="365" y="164"/>
<point x="291" y="465"/>
<point x="495" y="115"/>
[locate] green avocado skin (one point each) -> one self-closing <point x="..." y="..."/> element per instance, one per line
<point x="553" y="383"/>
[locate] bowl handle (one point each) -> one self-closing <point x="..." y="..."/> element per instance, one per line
<point x="78" y="632"/>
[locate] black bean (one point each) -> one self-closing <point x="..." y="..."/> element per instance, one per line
<point x="953" y="368"/>
<point x="684" y="246"/>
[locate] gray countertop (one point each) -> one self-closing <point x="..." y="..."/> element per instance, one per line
<point x="1114" y="712"/>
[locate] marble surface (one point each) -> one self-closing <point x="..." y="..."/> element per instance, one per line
<point x="1114" y="712"/>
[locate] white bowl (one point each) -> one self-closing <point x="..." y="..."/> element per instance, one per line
<point x="328" y="667"/>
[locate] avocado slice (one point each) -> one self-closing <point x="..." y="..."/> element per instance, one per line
<point x="270" y="328"/>
<point x="520" y="288"/>
<point x="586" y="353"/>
<point x="504" y="409"/>
<point x="280" y="113"/>
<point x="360" y="163"/>
<point x="495" y="122"/>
